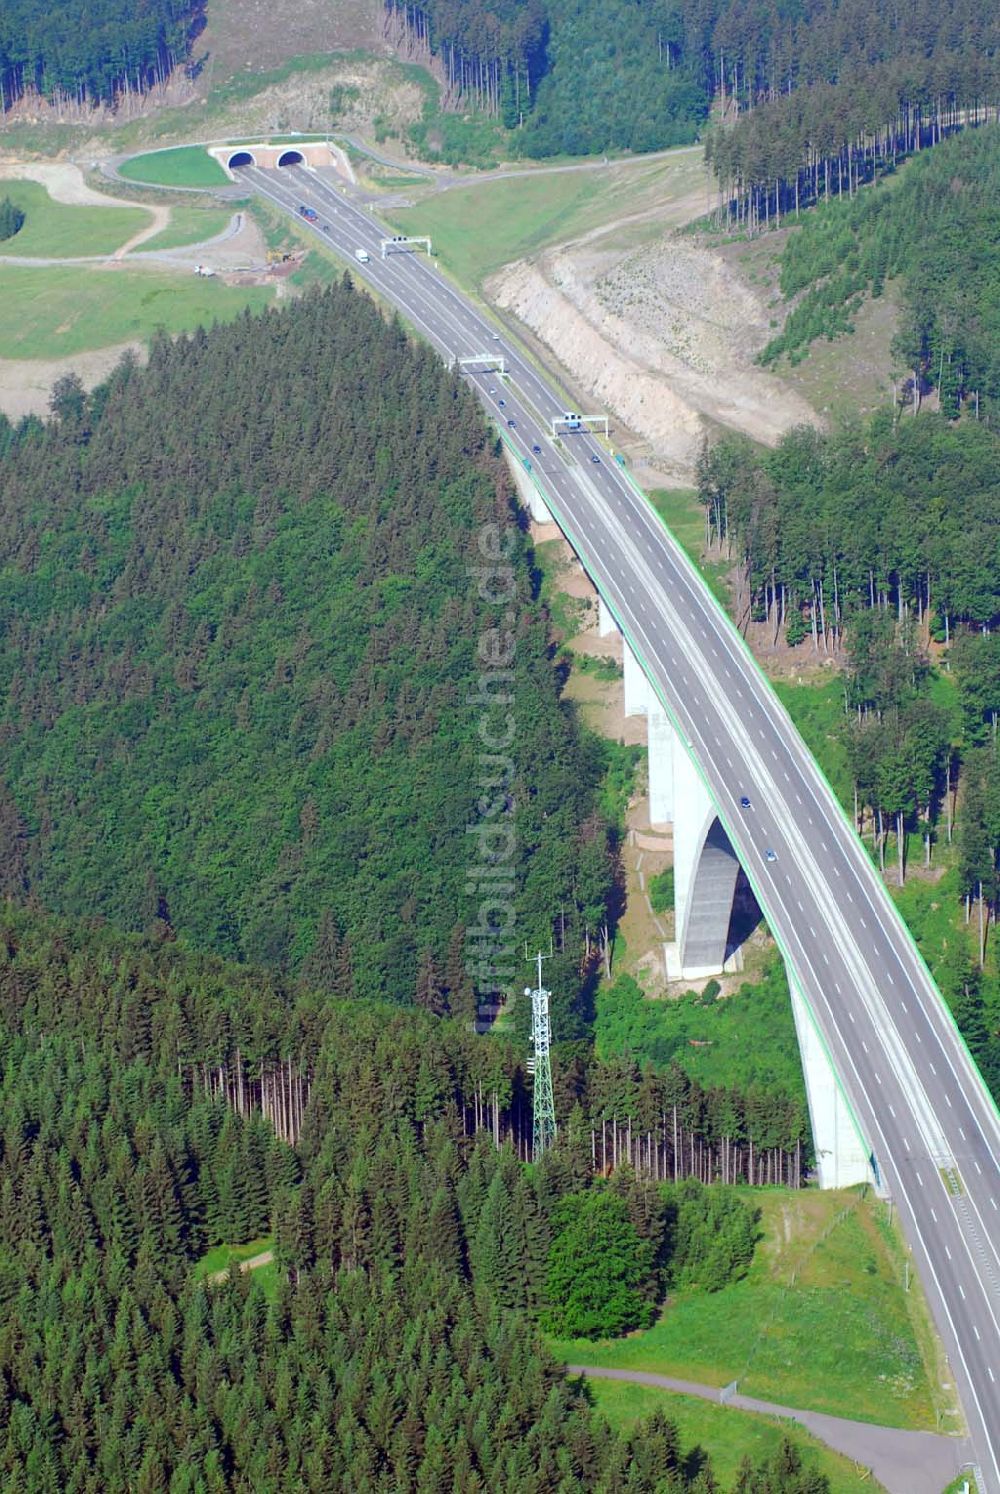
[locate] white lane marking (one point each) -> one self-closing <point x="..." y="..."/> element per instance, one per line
<point x="798" y="796"/>
<point x="903" y="1005"/>
<point x="947" y="1102"/>
<point x="977" y="1167"/>
<point x="932" y="1068"/>
<point x="878" y="1076"/>
<point x="851" y="1015"/>
<point x="826" y="958"/>
<point x="961" y="1133"/>
<point x="888" y="976"/>
<point x="920" y="1181"/>
<point x="993" y="1202"/>
<point x="947" y="1252"/>
<point x="864" y="1045"/>
<point x="892" y="1112"/>
<point x="991" y="1375"/>
<point x="801" y="909"/>
<point x="863" y="924"/>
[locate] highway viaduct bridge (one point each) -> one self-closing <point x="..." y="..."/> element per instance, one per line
<point x="706" y="879"/>
<point x="894" y="1097"/>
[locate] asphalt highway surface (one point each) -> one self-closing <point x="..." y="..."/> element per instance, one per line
<point x="931" y="1127"/>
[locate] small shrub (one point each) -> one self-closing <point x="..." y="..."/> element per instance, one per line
<point x="11" y="219"/>
<point x="796" y="629"/>
<point x="661" y="891"/>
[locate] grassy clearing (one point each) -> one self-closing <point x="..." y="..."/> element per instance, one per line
<point x="726" y="1434"/>
<point x="477" y="229"/>
<point x="222" y="1256"/>
<point x="847" y="1340"/>
<point x="187" y="166"/>
<point x="56" y="312"/>
<point x="568" y="613"/>
<point x="55" y="230"/>
<point x="189" y="225"/>
<point x="739" y="1041"/>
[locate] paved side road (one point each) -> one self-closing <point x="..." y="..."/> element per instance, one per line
<point x="904" y="1462"/>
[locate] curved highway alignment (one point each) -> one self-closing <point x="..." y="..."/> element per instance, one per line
<point x="931" y="1126"/>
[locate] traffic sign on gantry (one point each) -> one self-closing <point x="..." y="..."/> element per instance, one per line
<point x="481" y="363"/>
<point x="401" y="243"/>
<point x="570" y="421"/>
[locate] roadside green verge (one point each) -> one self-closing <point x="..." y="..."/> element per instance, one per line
<point x="186" y="166"/>
<point x="821" y="1322"/>
<point x="680" y="511"/>
<point x="56" y="312"/>
<point x="56" y="230"/>
<point x="726" y="1434"/>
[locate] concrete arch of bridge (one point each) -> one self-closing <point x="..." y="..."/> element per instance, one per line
<point x="705" y="933"/>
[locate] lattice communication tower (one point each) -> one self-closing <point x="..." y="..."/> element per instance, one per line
<point x="543" y="1129"/>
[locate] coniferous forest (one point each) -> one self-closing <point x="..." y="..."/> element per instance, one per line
<point x="813" y="99"/>
<point x="932" y="232"/>
<point x="239" y="630"/>
<point x="93" y="53"/>
<point x="238" y="643"/>
<point x="415" y="1256"/>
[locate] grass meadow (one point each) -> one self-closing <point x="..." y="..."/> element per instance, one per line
<point x="185" y="166"/>
<point x="848" y="1340"/>
<point x="56" y="230"/>
<point x="57" y="312"/>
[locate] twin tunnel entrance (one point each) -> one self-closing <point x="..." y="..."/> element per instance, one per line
<point x="247" y="158"/>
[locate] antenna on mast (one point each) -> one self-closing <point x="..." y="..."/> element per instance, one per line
<point x="543" y="1108"/>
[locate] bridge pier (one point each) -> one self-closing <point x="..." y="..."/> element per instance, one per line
<point x="706" y="869"/>
<point x="841" y="1157"/>
<point x="705" y="865"/>
<point x="527" y="490"/>
<point x="606" y="624"/>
